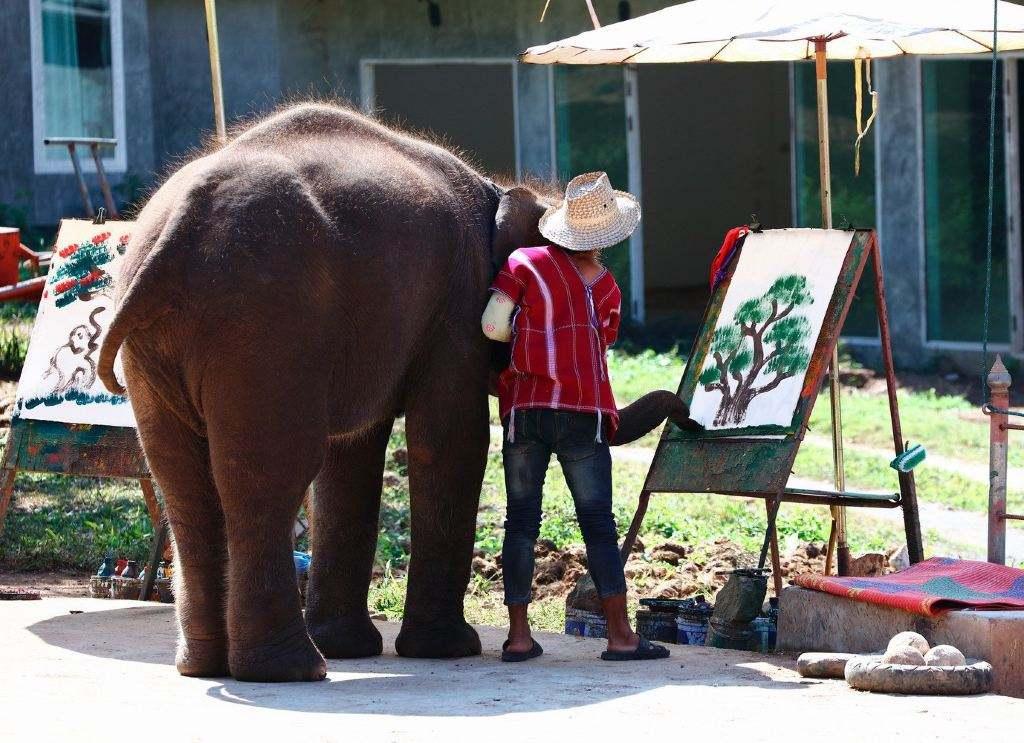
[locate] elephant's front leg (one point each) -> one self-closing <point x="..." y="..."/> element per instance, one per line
<point x="346" y="514"/>
<point x="447" y="432"/>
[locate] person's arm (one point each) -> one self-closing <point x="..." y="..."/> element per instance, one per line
<point x="497" y="320"/>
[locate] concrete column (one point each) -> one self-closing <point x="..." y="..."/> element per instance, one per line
<point x="535" y="125"/>
<point x="900" y="200"/>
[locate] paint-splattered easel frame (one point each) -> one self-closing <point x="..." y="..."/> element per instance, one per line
<point x="757" y="462"/>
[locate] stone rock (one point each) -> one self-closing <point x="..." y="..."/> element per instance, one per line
<point x="944" y="655"/>
<point x="584" y="595"/>
<point x="868" y="673"/>
<point x="913" y="639"/>
<point x="903" y="655"/>
<point x="823" y="665"/>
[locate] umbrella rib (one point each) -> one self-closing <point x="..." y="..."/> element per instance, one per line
<point x="727" y="42"/>
<point x="973" y="41"/>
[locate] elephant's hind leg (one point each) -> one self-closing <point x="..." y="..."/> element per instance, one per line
<point x="346" y="515"/>
<point x="180" y="462"/>
<point x="267" y="435"/>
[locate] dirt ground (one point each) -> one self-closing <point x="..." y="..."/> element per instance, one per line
<point x="666" y="570"/>
<point x="84" y="669"/>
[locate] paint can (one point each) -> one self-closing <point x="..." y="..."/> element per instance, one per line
<point x="659" y="626"/>
<point x="732" y="635"/>
<point x="585" y="623"/>
<point x="766" y="633"/>
<point x="692" y="627"/>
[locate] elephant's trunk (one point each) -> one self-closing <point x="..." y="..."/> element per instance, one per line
<point x="649" y="412"/>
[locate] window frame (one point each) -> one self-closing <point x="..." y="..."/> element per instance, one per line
<point x="112" y="163"/>
<point x="1011" y="169"/>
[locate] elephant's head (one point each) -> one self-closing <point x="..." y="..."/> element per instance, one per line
<point x="515" y="222"/>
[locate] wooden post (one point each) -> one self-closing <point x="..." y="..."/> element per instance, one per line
<point x="108" y="197"/>
<point x="908" y="488"/>
<point x="83" y="189"/>
<point x="999" y="397"/>
<point x="825" y="178"/>
<point x="215" y="77"/>
<point x="634" y="527"/>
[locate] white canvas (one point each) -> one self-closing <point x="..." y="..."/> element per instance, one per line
<point x="762" y="287"/>
<point x="59" y="381"/>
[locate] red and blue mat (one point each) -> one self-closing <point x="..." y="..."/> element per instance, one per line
<point x="931" y="587"/>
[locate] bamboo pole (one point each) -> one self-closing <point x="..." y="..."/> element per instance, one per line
<point x="215" y="79"/>
<point x="825" y="173"/>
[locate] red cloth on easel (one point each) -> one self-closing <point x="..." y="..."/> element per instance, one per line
<point x="733" y="241"/>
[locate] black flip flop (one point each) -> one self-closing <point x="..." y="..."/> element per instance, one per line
<point x="644" y="651"/>
<point x="512" y="657"/>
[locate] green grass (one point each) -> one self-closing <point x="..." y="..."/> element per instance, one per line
<point x="69" y="523"/>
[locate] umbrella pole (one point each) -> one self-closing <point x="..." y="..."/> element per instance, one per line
<point x="838" y="512"/>
<point x="215" y="80"/>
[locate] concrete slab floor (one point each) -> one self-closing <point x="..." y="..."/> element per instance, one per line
<point x="106" y="674"/>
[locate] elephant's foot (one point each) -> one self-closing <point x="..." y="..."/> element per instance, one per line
<point x="452" y="638"/>
<point x="291" y="656"/>
<point x="345" y="637"/>
<point x="203" y="658"/>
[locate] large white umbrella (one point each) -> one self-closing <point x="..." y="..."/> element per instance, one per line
<point x="790" y="30"/>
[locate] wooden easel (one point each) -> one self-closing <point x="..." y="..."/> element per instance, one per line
<point x="757" y="463"/>
<point x="81" y="450"/>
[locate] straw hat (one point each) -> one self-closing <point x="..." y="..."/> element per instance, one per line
<point x="592" y="216"/>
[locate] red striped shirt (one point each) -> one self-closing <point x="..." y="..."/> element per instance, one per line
<point x="560" y="333"/>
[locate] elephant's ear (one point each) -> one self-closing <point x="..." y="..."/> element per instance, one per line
<point x="515" y="223"/>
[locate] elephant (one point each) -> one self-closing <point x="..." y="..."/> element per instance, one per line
<point x="283" y="298"/>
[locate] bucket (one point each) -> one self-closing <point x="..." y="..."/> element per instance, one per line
<point x="732" y="635"/>
<point x="585" y="624"/>
<point x="766" y="633"/>
<point x="659" y="626"/>
<point x="692" y="627"/>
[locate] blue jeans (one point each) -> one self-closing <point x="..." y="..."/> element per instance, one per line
<point x="587" y="465"/>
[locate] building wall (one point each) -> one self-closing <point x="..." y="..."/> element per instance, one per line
<point x="48" y="197"/>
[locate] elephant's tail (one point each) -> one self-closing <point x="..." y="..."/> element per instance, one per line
<point x="145" y="292"/>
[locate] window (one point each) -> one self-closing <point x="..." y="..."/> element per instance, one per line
<point x="853" y="197"/>
<point x="590" y="129"/>
<point x="77" y="84"/>
<point x="955" y="105"/>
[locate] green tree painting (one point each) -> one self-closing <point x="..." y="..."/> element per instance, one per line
<point x="765" y="344"/>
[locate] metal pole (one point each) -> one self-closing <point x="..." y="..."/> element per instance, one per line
<point x="218" y="90"/>
<point x="999" y="396"/>
<point x="825" y="173"/>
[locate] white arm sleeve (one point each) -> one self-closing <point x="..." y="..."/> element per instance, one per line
<point x="497" y="319"/>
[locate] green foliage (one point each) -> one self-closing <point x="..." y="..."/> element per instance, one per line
<point x="13" y="347"/>
<point x="742" y="360"/>
<point x="710" y="375"/>
<point x="790" y="290"/>
<point x="752" y="312"/>
<point x="725" y="339"/>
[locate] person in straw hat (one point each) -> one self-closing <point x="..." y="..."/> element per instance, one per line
<point x="560" y="308"/>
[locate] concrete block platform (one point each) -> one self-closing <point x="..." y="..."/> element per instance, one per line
<point x="85" y="670"/>
<point x="816" y="621"/>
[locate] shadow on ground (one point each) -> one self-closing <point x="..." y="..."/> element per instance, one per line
<point x="568" y="675"/>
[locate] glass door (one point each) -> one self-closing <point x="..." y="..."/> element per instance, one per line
<point x="590" y="129"/>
